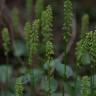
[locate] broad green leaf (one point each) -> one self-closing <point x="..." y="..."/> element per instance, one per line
<point x="62" y="69"/>
<point x="7" y="93"/>
<point x="45" y="84"/>
<point x="52" y="64"/>
<point x="5" y="73"/>
<point x="38" y="73"/>
<point x="25" y="78"/>
<point x="69" y="89"/>
<point x="86" y="59"/>
<point x="19" y="48"/>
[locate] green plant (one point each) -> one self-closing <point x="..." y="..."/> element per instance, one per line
<point x="53" y="74"/>
<point x="19" y="87"/>
<point x="86" y="53"/>
<point x="27" y="32"/>
<point x="68" y="15"/>
<point x="33" y="42"/>
<point x="6" y="42"/>
<point x="67" y="27"/>
<point x="85" y="86"/>
<point x="46" y="24"/>
<point x="87" y="47"/>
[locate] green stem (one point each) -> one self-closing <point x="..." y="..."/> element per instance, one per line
<point x="93" y="76"/>
<point x="76" y="68"/>
<point x="63" y="94"/>
<point x="7" y="62"/>
<point x="91" y="81"/>
<point x="63" y="90"/>
<point x="49" y="84"/>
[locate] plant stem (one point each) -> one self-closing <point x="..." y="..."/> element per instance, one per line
<point x="76" y="68"/>
<point x="64" y="72"/>
<point x="91" y="81"/>
<point x="7" y="62"/>
<point x="49" y="84"/>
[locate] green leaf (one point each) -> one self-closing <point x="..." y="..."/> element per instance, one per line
<point x="51" y="65"/>
<point x="86" y="59"/>
<point x="38" y="73"/>
<point x="19" y="48"/>
<point x="7" y="93"/>
<point x="45" y="85"/>
<point x="69" y="89"/>
<point x="72" y="88"/>
<point x="5" y="73"/>
<point x="62" y="69"/>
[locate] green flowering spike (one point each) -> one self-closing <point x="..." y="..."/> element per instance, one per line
<point x="33" y="42"/>
<point x="6" y="40"/>
<point x="68" y="15"/>
<point x="29" y="7"/>
<point x="39" y="8"/>
<point x="27" y="32"/>
<point x="84" y="25"/>
<point x="15" y="18"/>
<point x="46" y="24"/>
<point x="85" y="86"/>
<point x="19" y="87"/>
<point x="34" y="36"/>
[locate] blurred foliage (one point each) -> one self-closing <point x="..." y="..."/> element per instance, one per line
<point x="53" y="74"/>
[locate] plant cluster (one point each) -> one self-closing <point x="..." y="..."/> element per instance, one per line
<point x="86" y="47"/>
<point x="43" y="77"/>
<point x="86" y="52"/>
